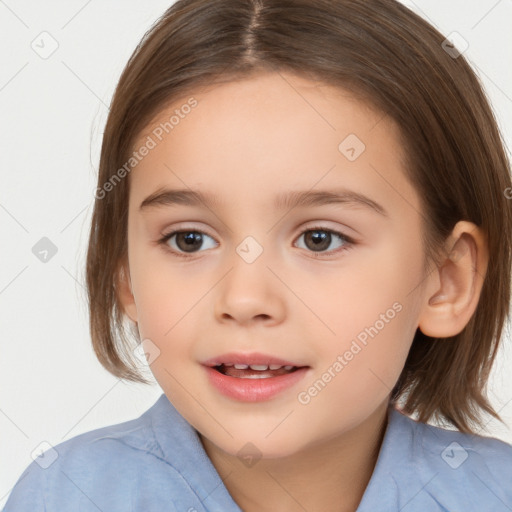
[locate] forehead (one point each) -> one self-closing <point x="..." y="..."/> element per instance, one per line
<point x="247" y="139"/>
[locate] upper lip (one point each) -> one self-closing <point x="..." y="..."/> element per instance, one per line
<point x="252" y="358"/>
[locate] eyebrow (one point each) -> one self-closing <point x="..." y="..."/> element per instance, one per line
<point x="285" y="201"/>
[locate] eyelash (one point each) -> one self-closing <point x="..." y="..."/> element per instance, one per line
<point x="349" y="242"/>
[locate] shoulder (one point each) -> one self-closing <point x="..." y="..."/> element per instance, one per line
<point x="460" y="467"/>
<point x="95" y="469"/>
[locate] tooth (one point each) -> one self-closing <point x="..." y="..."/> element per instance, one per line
<point x="260" y="367"/>
<point x="228" y="364"/>
<point x="288" y="367"/>
<point x="274" y="366"/>
<point x="241" y="366"/>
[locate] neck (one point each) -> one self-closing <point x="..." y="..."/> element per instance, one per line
<point x="331" y="476"/>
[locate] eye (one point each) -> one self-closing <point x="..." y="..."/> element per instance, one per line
<point x="319" y="238"/>
<point x="185" y="240"/>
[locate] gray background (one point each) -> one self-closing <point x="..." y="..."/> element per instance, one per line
<point x="53" y="112"/>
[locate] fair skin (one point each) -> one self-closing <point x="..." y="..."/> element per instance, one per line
<point x="248" y="141"/>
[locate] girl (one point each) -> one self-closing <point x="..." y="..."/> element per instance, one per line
<point x="303" y="214"/>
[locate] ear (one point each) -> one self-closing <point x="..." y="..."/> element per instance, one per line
<point x="125" y="292"/>
<point x="456" y="283"/>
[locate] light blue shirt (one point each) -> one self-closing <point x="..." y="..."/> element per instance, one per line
<point x="156" y="463"/>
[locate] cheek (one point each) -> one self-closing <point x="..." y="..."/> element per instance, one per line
<point x="168" y="297"/>
<point x="370" y="314"/>
<point x="356" y="374"/>
<point x="170" y="307"/>
<point x="372" y="283"/>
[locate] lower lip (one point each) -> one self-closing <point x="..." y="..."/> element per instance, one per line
<point x="253" y="390"/>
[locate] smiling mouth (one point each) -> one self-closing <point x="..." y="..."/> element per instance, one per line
<point x="254" y="371"/>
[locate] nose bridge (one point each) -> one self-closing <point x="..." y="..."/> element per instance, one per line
<point x="249" y="289"/>
<point x="249" y="267"/>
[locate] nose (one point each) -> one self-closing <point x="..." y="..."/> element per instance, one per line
<point x="250" y="293"/>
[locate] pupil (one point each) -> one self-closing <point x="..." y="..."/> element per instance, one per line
<point x="321" y="241"/>
<point x="191" y="239"/>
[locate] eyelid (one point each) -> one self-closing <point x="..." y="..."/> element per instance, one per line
<point x="324" y="225"/>
<point x="184" y="226"/>
<point x="314" y="224"/>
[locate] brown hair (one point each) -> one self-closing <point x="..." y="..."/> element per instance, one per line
<point x="393" y="59"/>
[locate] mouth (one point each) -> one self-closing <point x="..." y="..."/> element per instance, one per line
<point x="255" y="371"/>
<point x="254" y="377"/>
<point x="252" y="366"/>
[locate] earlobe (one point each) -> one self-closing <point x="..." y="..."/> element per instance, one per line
<point x="125" y="293"/>
<point x="457" y="283"/>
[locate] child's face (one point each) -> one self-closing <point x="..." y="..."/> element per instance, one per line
<point x="349" y="315"/>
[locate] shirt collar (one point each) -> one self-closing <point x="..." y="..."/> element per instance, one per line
<point x="177" y="442"/>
